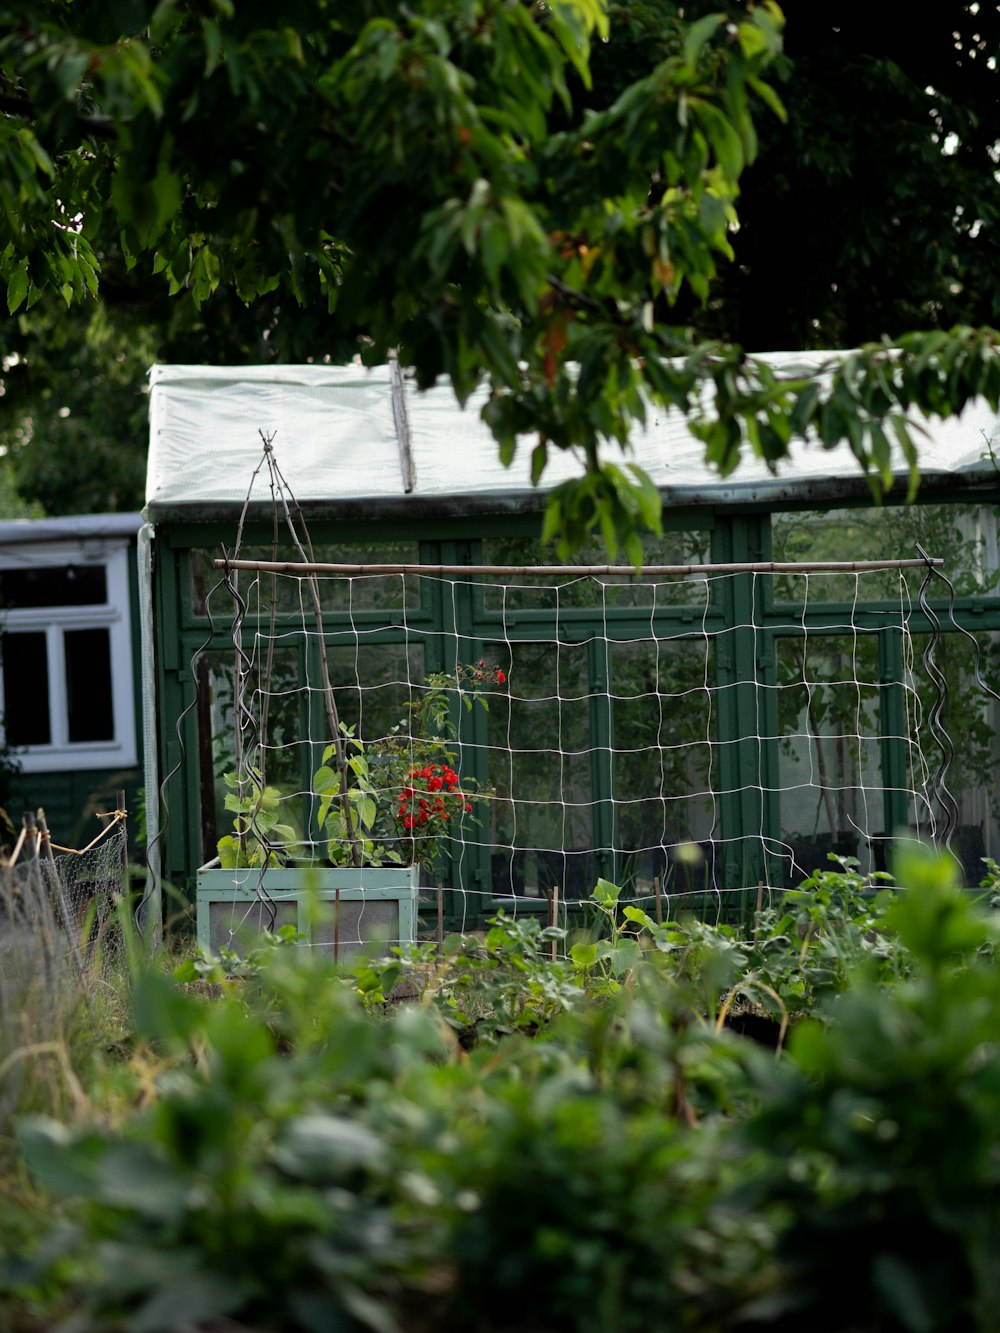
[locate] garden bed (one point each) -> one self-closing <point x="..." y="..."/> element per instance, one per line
<point x="339" y="910"/>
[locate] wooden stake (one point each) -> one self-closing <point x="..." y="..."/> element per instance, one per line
<point x="123" y="816"/>
<point x="336" y="926"/>
<point x="659" y="900"/>
<point x="554" y="917"/>
<point x="30" y="835"/>
<point x="440" y="920"/>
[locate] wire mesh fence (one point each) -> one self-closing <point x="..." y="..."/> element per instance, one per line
<point x="60" y="935"/>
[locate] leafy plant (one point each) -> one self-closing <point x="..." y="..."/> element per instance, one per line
<point x="384" y="801"/>
<point x="260" y="838"/>
<point x="406" y="793"/>
<point x="344" y="842"/>
<point x="878" y="1142"/>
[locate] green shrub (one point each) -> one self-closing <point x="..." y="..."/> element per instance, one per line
<point x="289" y="1149"/>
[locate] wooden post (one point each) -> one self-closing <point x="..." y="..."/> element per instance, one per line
<point x="659" y="900"/>
<point x="336" y="925"/>
<point x="554" y="917"/>
<point x="43" y="830"/>
<point x="440" y="920"/>
<point x="123" y="855"/>
<point x="30" y="835"/>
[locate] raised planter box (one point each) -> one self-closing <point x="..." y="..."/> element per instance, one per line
<point x="376" y="905"/>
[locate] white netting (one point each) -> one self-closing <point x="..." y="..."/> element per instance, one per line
<point x="694" y="736"/>
<point x="702" y="734"/>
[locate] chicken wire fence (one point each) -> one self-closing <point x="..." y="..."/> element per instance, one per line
<point x="59" y="932"/>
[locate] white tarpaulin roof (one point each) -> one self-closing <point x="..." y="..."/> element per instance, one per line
<point x="339" y="435"/>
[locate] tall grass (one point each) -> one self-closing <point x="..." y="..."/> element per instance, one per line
<point x="70" y="953"/>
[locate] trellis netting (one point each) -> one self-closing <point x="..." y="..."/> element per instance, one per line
<point x="696" y="732"/>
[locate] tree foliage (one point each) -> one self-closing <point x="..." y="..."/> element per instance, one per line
<point x="487" y="187"/>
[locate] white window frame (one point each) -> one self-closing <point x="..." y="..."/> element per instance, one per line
<point x="114" y="615"/>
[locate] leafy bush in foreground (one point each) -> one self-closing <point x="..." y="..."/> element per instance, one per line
<point x="304" y="1161"/>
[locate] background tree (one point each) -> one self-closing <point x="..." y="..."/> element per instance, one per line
<point x="450" y="180"/>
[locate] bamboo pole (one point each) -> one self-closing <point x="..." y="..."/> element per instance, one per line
<point x="659" y="900"/>
<point x="307" y="568"/>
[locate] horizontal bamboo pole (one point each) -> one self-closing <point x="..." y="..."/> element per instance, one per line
<point x="573" y="571"/>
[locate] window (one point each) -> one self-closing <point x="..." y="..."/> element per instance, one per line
<point x="66" y="670"/>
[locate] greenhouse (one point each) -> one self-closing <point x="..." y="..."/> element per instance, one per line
<point x="706" y="731"/>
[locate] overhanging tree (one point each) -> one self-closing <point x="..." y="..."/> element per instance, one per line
<point x="423" y="179"/>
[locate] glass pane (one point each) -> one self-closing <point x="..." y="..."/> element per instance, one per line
<point x="90" y="714"/>
<point x="665" y="810"/>
<point x="377" y="688"/>
<point x="830" y="777"/>
<point x="285" y="727"/>
<point x="540" y="758"/>
<point x="291" y="593"/>
<point x="970" y="723"/>
<point x="278" y="739"/>
<point x="374" y="683"/>
<point x="518" y="592"/>
<point x="965" y="535"/>
<point x="59" y="585"/>
<point x="26" y="689"/>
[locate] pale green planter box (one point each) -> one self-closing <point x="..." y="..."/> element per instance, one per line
<point x="378" y="906"/>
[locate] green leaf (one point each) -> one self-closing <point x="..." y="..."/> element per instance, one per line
<point x="539" y="458"/>
<point x="698" y="34"/>
<point x="625" y="955"/>
<point x="605" y="893"/>
<point x="17" y="286"/>
<point x="584" y="954"/>
<point x="640" y="917"/>
<point x="161" y="1011"/>
<point x="62" y="1161"/>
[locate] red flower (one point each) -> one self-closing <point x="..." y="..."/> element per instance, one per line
<point x="501" y="678"/>
<point x="409" y="822"/>
<point x="468" y="806"/>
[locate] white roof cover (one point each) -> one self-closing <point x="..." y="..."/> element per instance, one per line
<point x="336" y="437"/>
